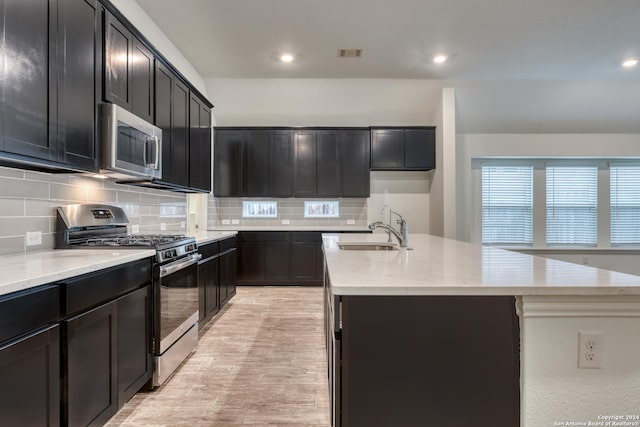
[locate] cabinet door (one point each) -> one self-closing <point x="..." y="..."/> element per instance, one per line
<point x="228" y="275"/>
<point x="277" y="257"/>
<point x="252" y="262"/>
<point x="27" y="30"/>
<point x="30" y="380"/>
<point x="304" y="261"/>
<point x="257" y="163"/>
<point x="228" y="162"/>
<point x="91" y="360"/>
<point x="134" y="343"/>
<point x="142" y="81"/>
<point x="304" y="170"/>
<point x="387" y="148"/>
<point x="163" y="112"/>
<point x="199" y="145"/>
<point x="179" y="133"/>
<point x="209" y="289"/>
<point x="328" y="164"/>
<point x="281" y="164"/>
<point x="118" y="60"/>
<point x="79" y="56"/>
<point x="419" y="149"/>
<point x="355" y="150"/>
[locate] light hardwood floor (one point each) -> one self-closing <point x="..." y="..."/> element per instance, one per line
<point x="260" y="362"/>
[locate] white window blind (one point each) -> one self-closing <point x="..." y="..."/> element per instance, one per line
<point x="572" y="205"/>
<point x="625" y="204"/>
<point x="507" y="205"/>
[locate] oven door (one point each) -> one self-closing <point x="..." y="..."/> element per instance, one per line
<point x="176" y="300"/>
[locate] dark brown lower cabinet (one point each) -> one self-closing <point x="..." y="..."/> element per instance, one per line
<point x="446" y="361"/>
<point x="280" y="258"/>
<point x="91" y="359"/>
<point x="107" y="358"/>
<point x="217" y="276"/>
<point x="30" y="379"/>
<point x="228" y="274"/>
<point x="135" y="363"/>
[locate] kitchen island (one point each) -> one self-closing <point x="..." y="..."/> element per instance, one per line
<point x="454" y="334"/>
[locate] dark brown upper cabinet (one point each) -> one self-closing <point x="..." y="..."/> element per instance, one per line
<point x="257" y="148"/>
<point x="228" y="159"/>
<point x="281" y="164"/>
<point x="128" y="70"/>
<point x="49" y="112"/>
<point x="172" y="116"/>
<point x="304" y="163"/>
<point x="411" y="148"/>
<point x="199" y="145"/>
<point x="329" y="178"/>
<point x="355" y="151"/>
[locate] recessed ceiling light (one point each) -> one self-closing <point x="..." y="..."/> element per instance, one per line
<point x="99" y="176"/>
<point x="439" y="59"/>
<point x="287" y="57"/>
<point x="631" y="62"/>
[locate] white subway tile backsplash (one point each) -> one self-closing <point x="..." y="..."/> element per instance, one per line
<point x="227" y="209"/>
<point x="28" y="201"/>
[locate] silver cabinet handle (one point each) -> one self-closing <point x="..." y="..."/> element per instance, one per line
<point x="179" y="265"/>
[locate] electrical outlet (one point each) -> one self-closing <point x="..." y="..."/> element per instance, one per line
<point x="226" y="222"/>
<point x="286" y="222"/>
<point x="163" y="226"/>
<point x="34" y="238"/>
<point x="351" y="222"/>
<point x="235" y="221"/>
<point x="585" y="260"/>
<point x="135" y="228"/>
<point x="182" y="225"/>
<point x="590" y="350"/>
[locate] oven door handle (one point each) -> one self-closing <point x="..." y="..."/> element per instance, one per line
<point x="171" y="268"/>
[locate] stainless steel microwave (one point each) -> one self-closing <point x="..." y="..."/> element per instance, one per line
<point x="131" y="147"/>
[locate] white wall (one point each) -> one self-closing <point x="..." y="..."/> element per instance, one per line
<point x="554" y="388"/>
<point x="528" y="145"/>
<point x="443" y="210"/>
<point x="160" y="41"/>
<point x="406" y="192"/>
<point x="323" y="102"/>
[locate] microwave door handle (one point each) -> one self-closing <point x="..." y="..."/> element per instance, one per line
<point x="144" y="153"/>
<point x="156" y="164"/>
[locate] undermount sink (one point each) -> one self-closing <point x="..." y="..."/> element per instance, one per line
<point x="367" y="246"/>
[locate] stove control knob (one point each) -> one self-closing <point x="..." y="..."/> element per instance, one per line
<point x="168" y="254"/>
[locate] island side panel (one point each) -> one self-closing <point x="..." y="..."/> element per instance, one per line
<point x="430" y="360"/>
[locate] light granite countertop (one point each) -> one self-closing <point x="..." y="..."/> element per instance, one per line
<point x="211" y="236"/>
<point x="438" y="266"/>
<point x="26" y="271"/>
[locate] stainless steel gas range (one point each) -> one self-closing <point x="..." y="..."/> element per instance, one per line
<point x="175" y="278"/>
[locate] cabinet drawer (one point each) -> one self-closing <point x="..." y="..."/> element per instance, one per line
<point x="229" y="243"/>
<point x="306" y="236"/>
<point x="209" y="249"/>
<point x="26" y="310"/>
<point x="90" y="290"/>
<point x="264" y="236"/>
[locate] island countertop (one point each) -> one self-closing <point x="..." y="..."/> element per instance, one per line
<point x="438" y="266"/>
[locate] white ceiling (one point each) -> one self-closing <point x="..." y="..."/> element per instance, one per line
<point x="518" y="66"/>
<point x="485" y="39"/>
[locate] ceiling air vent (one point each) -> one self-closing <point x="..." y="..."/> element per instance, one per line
<point x="349" y="53"/>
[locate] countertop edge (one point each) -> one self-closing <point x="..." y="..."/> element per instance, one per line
<point x="66" y="273"/>
<point x="202" y="239"/>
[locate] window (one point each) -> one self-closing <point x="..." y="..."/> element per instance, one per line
<point x="625" y="204"/>
<point x="572" y="205"/>
<point x="321" y="209"/>
<point x="507" y="205"/>
<point x="251" y="209"/>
